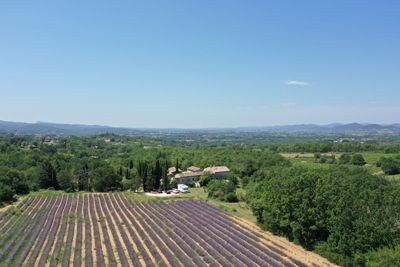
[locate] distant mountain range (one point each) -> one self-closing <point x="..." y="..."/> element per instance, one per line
<point x="333" y="128"/>
<point x="46" y="128"/>
<point x="58" y="129"/>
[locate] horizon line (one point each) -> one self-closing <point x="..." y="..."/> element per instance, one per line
<point x="203" y="128"/>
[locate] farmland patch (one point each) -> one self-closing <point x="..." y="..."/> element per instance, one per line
<point x="111" y="230"/>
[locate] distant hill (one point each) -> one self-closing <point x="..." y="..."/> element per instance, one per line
<point x="58" y="129"/>
<point x="351" y="128"/>
<point x="45" y="128"/>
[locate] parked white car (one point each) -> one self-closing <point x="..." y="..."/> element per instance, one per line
<point x="183" y="188"/>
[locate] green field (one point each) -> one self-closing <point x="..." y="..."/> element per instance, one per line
<point x="370" y="157"/>
<point x="373" y="157"/>
<point x="393" y="177"/>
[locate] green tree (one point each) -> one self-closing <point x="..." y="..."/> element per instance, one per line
<point x="6" y="193"/>
<point x="223" y="190"/>
<point x="385" y="257"/>
<point x="15" y="179"/>
<point x="177" y="166"/>
<point x="67" y="181"/>
<point x="345" y="158"/>
<point x="127" y="184"/>
<point x="341" y="212"/>
<point x="358" y="160"/>
<point x="81" y="174"/>
<point x="157" y="174"/>
<point x="390" y="166"/>
<point x="165" y="179"/>
<point x="205" y="178"/>
<point x="174" y="183"/>
<point x="103" y="178"/>
<point x="136" y="183"/>
<point x="143" y="174"/>
<point x="47" y="175"/>
<point x="150" y="179"/>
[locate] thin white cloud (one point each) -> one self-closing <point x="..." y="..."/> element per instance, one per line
<point x="297" y="83"/>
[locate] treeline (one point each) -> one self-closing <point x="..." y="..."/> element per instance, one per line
<point x="343" y="213"/>
<point x="153" y="177"/>
<point x="110" y="162"/>
<point x="345" y="158"/>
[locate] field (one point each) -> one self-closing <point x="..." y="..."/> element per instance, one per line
<point x="239" y="209"/>
<point x="112" y="230"/>
<point x="370" y="157"/>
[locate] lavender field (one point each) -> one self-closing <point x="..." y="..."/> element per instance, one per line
<point x="111" y="230"/>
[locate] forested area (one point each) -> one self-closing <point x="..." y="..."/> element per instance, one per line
<point x="342" y="213"/>
<point x="110" y="162"/>
<point x="338" y="210"/>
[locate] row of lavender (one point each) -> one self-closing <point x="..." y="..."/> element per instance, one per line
<point x="200" y="235"/>
<point x="110" y="230"/>
<point x="26" y="230"/>
<point x="43" y="227"/>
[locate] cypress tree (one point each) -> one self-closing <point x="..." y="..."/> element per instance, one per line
<point x="142" y="171"/>
<point x="177" y="165"/>
<point x="150" y="179"/>
<point x="165" y="177"/>
<point x="157" y="174"/>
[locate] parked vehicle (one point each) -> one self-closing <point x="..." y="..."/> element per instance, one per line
<point x="183" y="188"/>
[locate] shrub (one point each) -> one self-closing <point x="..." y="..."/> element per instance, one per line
<point x="384" y="257"/>
<point x="358" y="160"/>
<point x="390" y="166"/>
<point x="220" y="189"/>
<point x="6" y="193"/>
<point x="345" y="158"/>
<point x="126" y="184"/>
<point x="231" y="197"/>
<point x="205" y="179"/>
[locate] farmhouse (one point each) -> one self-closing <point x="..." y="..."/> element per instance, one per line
<point x="218" y="171"/>
<point x="187" y="177"/>
<point x="193" y="173"/>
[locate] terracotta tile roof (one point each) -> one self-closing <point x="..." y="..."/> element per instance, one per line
<point x="194" y="169"/>
<point x="216" y="169"/>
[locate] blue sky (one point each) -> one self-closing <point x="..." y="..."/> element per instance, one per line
<point x="200" y="63"/>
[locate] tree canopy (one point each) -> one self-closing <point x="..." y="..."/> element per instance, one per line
<point x="338" y="211"/>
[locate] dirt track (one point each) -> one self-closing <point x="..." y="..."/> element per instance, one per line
<point x="291" y="249"/>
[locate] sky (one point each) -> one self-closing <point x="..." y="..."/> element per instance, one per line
<point x="194" y="64"/>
